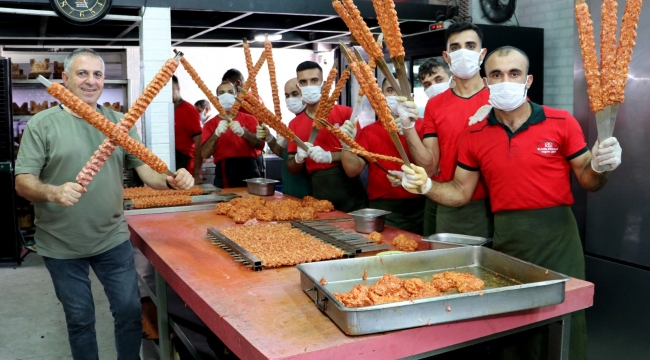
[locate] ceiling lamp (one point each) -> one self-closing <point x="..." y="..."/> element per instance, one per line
<point x="273" y="37"/>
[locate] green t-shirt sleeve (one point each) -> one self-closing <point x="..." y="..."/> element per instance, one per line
<point x="130" y="160"/>
<point x="32" y="155"/>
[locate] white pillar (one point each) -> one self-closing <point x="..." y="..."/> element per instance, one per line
<point x="155" y="49"/>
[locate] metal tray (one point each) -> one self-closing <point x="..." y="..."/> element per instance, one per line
<point x="511" y="285"/>
<point x="458" y="239"/>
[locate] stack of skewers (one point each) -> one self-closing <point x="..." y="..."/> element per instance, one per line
<point x="606" y="86"/>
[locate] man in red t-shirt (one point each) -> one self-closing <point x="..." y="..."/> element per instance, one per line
<point x="525" y="153"/>
<point x="187" y="134"/>
<point x="323" y="159"/>
<point x="445" y="117"/>
<point x="232" y="145"/>
<point x="385" y="191"/>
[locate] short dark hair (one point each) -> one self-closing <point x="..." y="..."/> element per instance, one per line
<point x="308" y="65"/>
<point x="504" y="51"/>
<point x="456" y="28"/>
<point x="174" y="80"/>
<point x="383" y="82"/>
<point x="430" y="64"/>
<point x="202" y="103"/>
<point x="233" y="75"/>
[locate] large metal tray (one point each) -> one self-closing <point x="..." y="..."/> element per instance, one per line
<point x="511" y="285"/>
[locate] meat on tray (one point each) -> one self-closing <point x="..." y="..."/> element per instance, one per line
<point x="163" y="200"/>
<point x="145" y="191"/>
<point x="389" y="288"/>
<point x="404" y="243"/>
<point x="280" y="244"/>
<point x="254" y="207"/>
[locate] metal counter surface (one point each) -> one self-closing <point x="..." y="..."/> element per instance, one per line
<point x="266" y="315"/>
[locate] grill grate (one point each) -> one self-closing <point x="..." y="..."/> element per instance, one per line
<point x="321" y="229"/>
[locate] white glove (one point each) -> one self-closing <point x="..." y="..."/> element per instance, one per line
<point x="480" y="115"/>
<point x="395" y="177"/>
<point x="235" y="126"/>
<point x="607" y="153"/>
<point x="319" y="155"/>
<point x="301" y="155"/>
<point x="408" y="112"/>
<point x="415" y="177"/>
<point x="221" y="128"/>
<point x="264" y="134"/>
<point x="280" y="140"/>
<point x="349" y="128"/>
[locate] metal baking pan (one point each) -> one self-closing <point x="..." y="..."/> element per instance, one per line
<point x="457" y="239"/>
<point x="510" y="285"/>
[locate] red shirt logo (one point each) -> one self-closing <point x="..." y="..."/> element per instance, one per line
<point x="548" y="147"/>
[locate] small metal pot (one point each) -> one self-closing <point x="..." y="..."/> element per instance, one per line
<point x="447" y="240"/>
<point x="369" y="220"/>
<point x="261" y="186"/>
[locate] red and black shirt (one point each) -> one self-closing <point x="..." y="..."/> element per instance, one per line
<point x="445" y="117"/>
<point x="229" y="144"/>
<point x="302" y="125"/>
<point x="376" y="139"/>
<point x="528" y="169"/>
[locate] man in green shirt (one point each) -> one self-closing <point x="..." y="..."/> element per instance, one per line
<point x="77" y="227"/>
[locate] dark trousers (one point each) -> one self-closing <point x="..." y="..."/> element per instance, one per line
<point x="115" y="269"/>
<point x="232" y="172"/>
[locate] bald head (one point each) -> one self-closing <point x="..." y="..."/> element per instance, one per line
<point x="291" y="89"/>
<point x="511" y="55"/>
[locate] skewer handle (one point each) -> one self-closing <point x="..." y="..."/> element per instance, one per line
<point x="300" y="143"/>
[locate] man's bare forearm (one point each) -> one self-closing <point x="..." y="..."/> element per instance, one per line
<point x="198" y="158"/>
<point x="421" y="155"/>
<point x="152" y="178"/>
<point x="277" y="149"/>
<point x="448" y="194"/>
<point x="33" y="189"/>
<point x="208" y="147"/>
<point x="353" y="165"/>
<point x="292" y="165"/>
<point x="591" y="180"/>
<point x="251" y="139"/>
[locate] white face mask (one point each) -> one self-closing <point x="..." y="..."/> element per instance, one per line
<point x="295" y="105"/>
<point x="508" y="96"/>
<point x="311" y="93"/>
<point x="437" y="89"/>
<point x="465" y="63"/>
<point x="227" y="100"/>
<point x="392" y="103"/>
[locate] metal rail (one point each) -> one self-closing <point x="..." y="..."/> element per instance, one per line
<point x="239" y="253"/>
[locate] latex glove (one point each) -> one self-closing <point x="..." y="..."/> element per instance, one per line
<point x="607" y="153"/>
<point x="235" y="126"/>
<point x="301" y="155"/>
<point x="408" y="112"/>
<point x="280" y="140"/>
<point x="480" y="115"/>
<point x="395" y="177"/>
<point x="349" y="128"/>
<point x="319" y="155"/>
<point x="221" y="128"/>
<point x="415" y="176"/>
<point x="263" y="133"/>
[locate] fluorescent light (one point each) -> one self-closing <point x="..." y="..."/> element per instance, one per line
<point x="274" y="37"/>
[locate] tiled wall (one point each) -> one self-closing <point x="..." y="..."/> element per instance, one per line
<point x="155" y="37"/>
<point x="556" y="17"/>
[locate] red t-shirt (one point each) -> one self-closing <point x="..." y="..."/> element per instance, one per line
<point x="187" y="124"/>
<point x="528" y="169"/>
<point x="229" y="144"/>
<point x="445" y="117"/>
<point x="376" y="139"/>
<point x="302" y="125"/>
<point x="242" y="110"/>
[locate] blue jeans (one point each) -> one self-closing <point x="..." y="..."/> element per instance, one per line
<point x="115" y="269"/>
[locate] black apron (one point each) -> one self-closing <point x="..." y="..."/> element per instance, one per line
<point x="548" y="238"/>
<point x="430" y="212"/>
<point x="406" y="214"/>
<point x="182" y="160"/>
<point x="475" y="219"/>
<point x="346" y="193"/>
<point x="232" y="172"/>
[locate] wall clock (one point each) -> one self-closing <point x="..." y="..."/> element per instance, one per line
<point x="81" y="12"/>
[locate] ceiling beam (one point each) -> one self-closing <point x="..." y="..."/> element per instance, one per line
<point x="295" y="28"/>
<point x="52" y="13"/>
<point x="213" y="28"/>
<point x="126" y="31"/>
<point x="326" y="38"/>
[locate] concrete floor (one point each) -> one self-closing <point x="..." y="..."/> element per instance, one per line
<point x="32" y="323"/>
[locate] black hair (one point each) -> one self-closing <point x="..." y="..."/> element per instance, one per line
<point x="456" y="28"/>
<point x="504" y="51"/>
<point x="233" y="75"/>
<point x="430" y="64"/>
<point x="174" y="79"/>
<point x="383" y="82"/>
<point x="308" y="65"/>
<point x="202" y="103"/>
